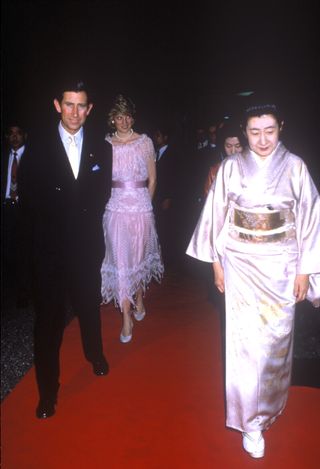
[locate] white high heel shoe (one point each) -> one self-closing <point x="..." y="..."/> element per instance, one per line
<point x="253" y="443"/>
<point x="126" y="338"/>
<point x="139" y="315"/>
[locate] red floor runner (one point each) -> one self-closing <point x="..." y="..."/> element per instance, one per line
<point x="161" y="406"/>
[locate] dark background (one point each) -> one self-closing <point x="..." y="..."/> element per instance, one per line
<point x="178" y="61"/>
<point x="185" y="63"/>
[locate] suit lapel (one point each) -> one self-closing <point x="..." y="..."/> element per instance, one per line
<point x="4" y="168"/>
<point x="61" y="158"/>
<point x="84" y="157"/>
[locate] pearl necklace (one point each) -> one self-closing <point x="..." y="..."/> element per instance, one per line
<point x="125" y="139"/>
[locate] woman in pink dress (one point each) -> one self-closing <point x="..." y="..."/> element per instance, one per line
<point x="132" y="257"/>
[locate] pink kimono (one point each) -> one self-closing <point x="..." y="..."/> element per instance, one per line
<point x="261" y="222"/>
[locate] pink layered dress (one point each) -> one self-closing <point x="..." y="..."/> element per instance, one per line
<point x="133" y="256"/>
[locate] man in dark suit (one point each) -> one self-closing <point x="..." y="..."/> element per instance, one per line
<point x="165" y="198"/>
<point x="63" y="188"/>
<point x="14" y="255"/>
<point x="206" y="157"/>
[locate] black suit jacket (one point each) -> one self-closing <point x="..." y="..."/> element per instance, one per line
<point x="63" y="215"/>
<point x="204" y="159"/>
<point x="167" y="168"/>
<point x="4" y="172"/>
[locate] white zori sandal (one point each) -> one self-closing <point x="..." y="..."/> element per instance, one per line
<point x="253" y="443"/>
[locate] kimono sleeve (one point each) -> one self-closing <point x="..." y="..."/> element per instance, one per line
<point x="203" y="244"/>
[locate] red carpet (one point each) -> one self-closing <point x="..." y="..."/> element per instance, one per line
<point x="161" y="406"/>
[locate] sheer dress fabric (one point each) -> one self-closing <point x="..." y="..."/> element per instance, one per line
<point x="132" y="255"/>
<point x="260" y="263"/>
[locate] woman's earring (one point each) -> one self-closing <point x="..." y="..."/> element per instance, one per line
<point x="112" y="122"/>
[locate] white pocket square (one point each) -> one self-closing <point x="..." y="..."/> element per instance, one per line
<point x="95" y="168"/>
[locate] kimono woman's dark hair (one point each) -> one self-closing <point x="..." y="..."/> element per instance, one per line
<point x="230" y="128"/>
<point x="258" y="110"/>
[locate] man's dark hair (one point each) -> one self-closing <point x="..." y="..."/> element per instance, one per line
<point x="74" y="85"/>
<point x="164" y="128"/>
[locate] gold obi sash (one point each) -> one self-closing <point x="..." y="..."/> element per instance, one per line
<point x="261" y="225"/>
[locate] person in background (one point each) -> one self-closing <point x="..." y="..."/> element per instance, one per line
<point x="64" y="183"/>
<point x="132" y="257"/>
<point x="204" y="159"/>
<point x="165" y="199"/>
<point x="197" y="169"/>
<point x="15" y="255"/>
<point x="229" y="142"/>
<point x="201" y="137"/>
<point x="260" y="230"/>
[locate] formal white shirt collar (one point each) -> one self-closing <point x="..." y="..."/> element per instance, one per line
<point x="161" y="151"/>
<point x="66" y="135"/>
<point x="18" y="152"/>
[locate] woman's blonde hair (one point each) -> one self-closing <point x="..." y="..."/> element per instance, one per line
<point x="121" y="105"/>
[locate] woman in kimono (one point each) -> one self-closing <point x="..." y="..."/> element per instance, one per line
<point x="260" y="229"/>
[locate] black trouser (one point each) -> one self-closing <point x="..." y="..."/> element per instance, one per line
<point x="15" y="251"/>
<point x="54" y="287"/>
<point x="167" y="230"/>
<point x="85" y="298"/>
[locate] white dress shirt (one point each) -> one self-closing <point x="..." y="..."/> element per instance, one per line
<point x="73" y="150"/>
<point x="19" y="153"/>
<point x="161" y="151"/>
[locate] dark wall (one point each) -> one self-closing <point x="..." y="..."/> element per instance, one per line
<point x="175" y="63"/>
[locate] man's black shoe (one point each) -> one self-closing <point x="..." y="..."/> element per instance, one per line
<point x="100" y="367"/>
<point x="46" y="408"/>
